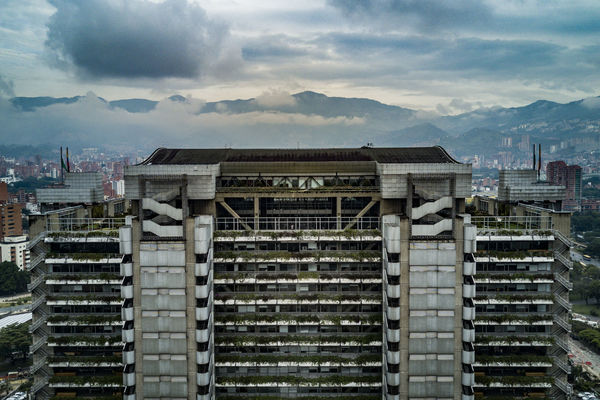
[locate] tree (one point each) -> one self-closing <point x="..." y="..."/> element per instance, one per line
<point x="14" y="338"/>
<point x="12" y="280"/>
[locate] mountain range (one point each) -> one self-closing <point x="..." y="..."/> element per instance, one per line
<point x="476" y="132"/>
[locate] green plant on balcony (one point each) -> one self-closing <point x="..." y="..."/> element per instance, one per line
<point x="314" y="339"/>
<point x="297" y="297"/>
<point x="513" y="359"/>
<point x="362" y="359"/>
<point x="85" y="319"/>
<point x="83" y="256"/>
<point x="91" y="361"/>
<point x="92" y="340"/>
<point x="103" y="276"/>
<point x="515" y="255"/>
<point x="337" y="397"/>
<point x="515" y="297"/>
<point x="66" y="297"/>
<point x="516" y="276"/>
<point x="93" y="380"/>
<point x="483" y="340"/>
<point x="297" y="380"/>
<point x="336" y="319"/>
<point x="499" y="319"/>
<point x="513" y="380"/>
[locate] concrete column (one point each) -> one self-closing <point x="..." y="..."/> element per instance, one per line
<point x="256" y="211"/>
<point x="136" y="234"/>
<point x="190" y="314"/>
<point x="404" y="304"/>
<point x="459" y="234"/>
<point x="338" y="211"/>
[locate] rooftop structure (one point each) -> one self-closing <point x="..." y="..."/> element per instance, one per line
<point x="524" y="186"/>
<point x="78" y="188"/>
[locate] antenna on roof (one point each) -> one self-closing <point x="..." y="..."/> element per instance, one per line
<point x="533" y="166"/>
<point x="539" y="160"/>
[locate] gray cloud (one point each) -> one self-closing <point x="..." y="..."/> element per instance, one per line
<point x="422" y="14"/>
<point x="6" y="87"/>
<point x="134" y="38"/>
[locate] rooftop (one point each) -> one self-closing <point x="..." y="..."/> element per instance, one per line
<point x="397" y="155"/>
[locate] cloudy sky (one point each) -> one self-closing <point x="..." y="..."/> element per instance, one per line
<point x="444" y="56"/>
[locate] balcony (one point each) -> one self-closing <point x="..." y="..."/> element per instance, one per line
<point x="468" y="290"/>
<point x="129" y="397"/>
<point x="469" y="313"/>
<point x="393" y="290"/>
<point x="393" y="268"/>
<point x="295" y="223"/>
<point x="393" y="313"/>
<point x="203" y="379"/>
<point x="201" y="269"/>
<point x="203" y="357"/>
<point x="127" y="292"/>
<point x="127" y="314"/>
<point x="202" y="335"/>
<point x="127" y="269"/>
<point x="127" y="335"/>
<point x="469" y="268"/>
<point x="129" y="379"/>
<point x="129" y="357"/>
<point x="468" y="379"/>
<point x="393" y="335"/>
<point x="468" y="335"/>
<point x="393" y="357"/>
<point x="393" y="378"/>
<point x="202" y="291"/>
<point x="202" y="313"/>
<point x="468" y="356"/>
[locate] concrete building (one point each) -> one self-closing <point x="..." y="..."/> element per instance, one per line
<point x="343" y="273"/>
<point x="14" y="249"/>
<point x="76" y="304"/>
<point x="569" y="176"/>
<point x="522" y="304"/>
<point x="78" y="188"/>
<point x="10" y="220"/>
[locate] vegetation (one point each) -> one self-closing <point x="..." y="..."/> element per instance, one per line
<point x="513" y="318"/>
<point x="515" y="276"/>
<point x="250" y="256"/>
<point x="337" y="397"/>
<point x="515" y="255"/>
<point x="84" y="256"/>
<point x="256" y="340"/>
<point x="247" y="297"/>
<point x="513" y="359"/>
<point x="298" y="380"/>
<point x="513" y="380"/>
<point x="239" y="276"/>
<point x="14" y="339"/>
<point x="86" y="360"/>
<point x="104" y="276"/>
<point x="481" y="339"/>
<point x="586" y="283"/>
<point x="336" y="319"/>
<point x="31" y="183"/>
<point x="12" y="280"/>
<point x="90" y="340"/>
<point x="93" y="380"/>
<point x="108" y="233"/>
<point x="274" y="359"/>
<point x="347" y="233"/>
<point x="515" y="297"/>
<point x="85" y="319"/>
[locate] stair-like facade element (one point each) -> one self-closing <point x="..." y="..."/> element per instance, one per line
<point x="431" y="207"/>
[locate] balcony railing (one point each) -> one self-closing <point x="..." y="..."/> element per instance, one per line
<point x="79" y="226"/>
<point x="509" y="223"/>
<point x="295" y="223"/>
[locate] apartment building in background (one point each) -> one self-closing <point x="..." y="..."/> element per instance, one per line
<point x="75" y="287"/>
<point x="14" y="249"/>
<point x="569" y="176"/>
<point x="522" y="299"/>
<point x="342" y="273"/>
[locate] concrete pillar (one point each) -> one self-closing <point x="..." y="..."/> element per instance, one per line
<point x="136" y="234"/>
<point x="459" y="234"/>
<point x="190" y="314"/>
<point x="404" y="304"/>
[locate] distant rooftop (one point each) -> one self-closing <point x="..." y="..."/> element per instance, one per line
<point x="397" y="155"/>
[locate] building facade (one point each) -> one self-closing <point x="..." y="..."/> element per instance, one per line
<point x="569" y="176"/>
<point x="10" y="220"/>
<point x="76" y="304"/>
<point x="343" y="273"/>
<point x="522" y="301"/>
<point x="14" y="249"/>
